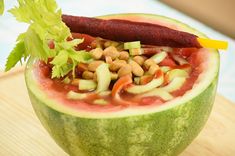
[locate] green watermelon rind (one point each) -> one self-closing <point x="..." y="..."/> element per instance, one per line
<point x="164" y="131"/>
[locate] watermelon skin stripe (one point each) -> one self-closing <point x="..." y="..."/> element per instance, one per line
<point x="166" y="132"/>
<point x="161" y="133"/>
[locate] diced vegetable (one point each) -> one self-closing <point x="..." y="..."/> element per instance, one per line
<point x="103" y="77"/>
<point x="86" y="84"/>
<point x="105" y="93"/>
<point x="138" y="89"/>
<point x="132" y="45"/>
<point x="180" y="60"/>
<point x="66" y="80"/>
<point x="168" y="62"/>
<point x="167" y="49"/>
<point x="176" y="73"/>
<point x="165" y="69"/>
<point x="100" y="102"/>
<point x="137" y="80"/>
<point x="175" y="84"/>
<point x="159" y="57"/>
<point x="76" y="96"/>
<point x="185" y="67"/>
<point x="158" y="92"/>
<point x="135" y="51"/>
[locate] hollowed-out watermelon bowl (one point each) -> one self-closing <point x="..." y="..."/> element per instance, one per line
<point x="165" y="129"/>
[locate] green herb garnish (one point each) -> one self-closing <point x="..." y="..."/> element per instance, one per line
<point x="1" y="7"/>
<point x="45" y="27"/>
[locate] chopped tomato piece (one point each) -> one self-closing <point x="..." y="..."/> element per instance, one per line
<point x="168" y="62"/>
<point x="87" y="40"/>
<point x="186" y="52"/>
<point x="145" y="79"/>
<point x="51" y="44"/>
<point x="150" y="100"/>
<point x="82" y="67"/>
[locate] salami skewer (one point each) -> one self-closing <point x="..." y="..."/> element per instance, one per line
<point x="147" y="33"/>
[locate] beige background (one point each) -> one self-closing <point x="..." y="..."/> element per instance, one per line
<point x="218" y="14"/>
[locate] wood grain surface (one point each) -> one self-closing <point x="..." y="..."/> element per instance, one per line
<point x="21" y="133"/>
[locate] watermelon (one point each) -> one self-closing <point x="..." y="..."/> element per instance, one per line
<point x="141" y="130"/>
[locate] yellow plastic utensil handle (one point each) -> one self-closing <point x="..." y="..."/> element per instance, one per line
<point x="216" y="44"/>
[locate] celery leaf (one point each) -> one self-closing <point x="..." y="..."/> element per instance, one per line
<point x="46" y="26"/>
<point x="15" y="56"/>
<point x="1" y="7"/>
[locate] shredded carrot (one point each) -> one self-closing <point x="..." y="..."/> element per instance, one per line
<point x="158" y="73"/>
<point x="120" y="83"/>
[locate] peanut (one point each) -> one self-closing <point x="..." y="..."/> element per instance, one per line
<point x="148" y="63"/>
<point x="75" y="82"/>
<point x="81" y="67"/>
<point x="125" y="70"/>
<point x="112" y="52"/>
<point x="152" y="69"/>
<point x="107" y="44"/>
<point x="95" y="77"/>
<point x="139" y="59"/>
<point x="124" y="55"/>
<point x="136" y="68"/>
<point x="110" y="43"/>
<point x="114" y="76"/>
<point x="93" y="65"/>
<point x="98" y="43"/>
<point x="108" y="59"/>
<point x="96" y="53"/>
<point x="87" y="75"/>
<point x="117" y="64"/>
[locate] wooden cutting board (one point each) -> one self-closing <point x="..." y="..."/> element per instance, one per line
<point x="21" y="133"/>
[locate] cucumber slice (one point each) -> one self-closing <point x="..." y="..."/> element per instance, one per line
<point x="158" y="92"/>
<point x="167" y="49"/>
<point x="180" y="60"/>
<point x="136" y="51"/>
<point x="105" y="93"/>
<point x="66" y="80"/>
<point x="175" y="84"/>
<point x="177" y="73"/>
<point x="159" y="57"/>
<point x="100" y="102"/>
<point x="138" y="89"/>
<point x="76" y="96"/>
<point x="188" y="69"/>
<point x="132" y="45"/>
<point x="103" y="77"/>
<point x="86" y="84"/>
<point x="165" y="69"/>
<point x="137" y="80"/>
